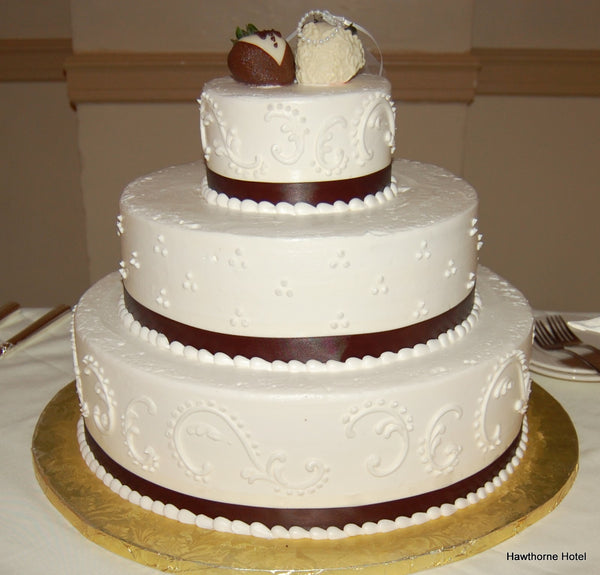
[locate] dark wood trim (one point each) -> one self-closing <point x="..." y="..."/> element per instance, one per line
<point x="538" y="72"/>
<point x="34" y="59"/>
<point x="179" y="77"/>
<point x="416" y="77"/>
<point x="141" y="77"/>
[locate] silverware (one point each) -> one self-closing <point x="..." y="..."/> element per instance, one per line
<point x="547" y="338"/>
<point x="563" y="331"/>
<point x="33" y="328"/>
<point x="8" y="308"/>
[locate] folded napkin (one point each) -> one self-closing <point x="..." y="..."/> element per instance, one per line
<point x="588" y="330"/>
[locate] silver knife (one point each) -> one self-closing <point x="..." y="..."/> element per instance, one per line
<point x="33" y="328"/>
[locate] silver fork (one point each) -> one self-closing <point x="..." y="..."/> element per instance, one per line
<point x="547" y="338"/>
<point x="563" y="331"/>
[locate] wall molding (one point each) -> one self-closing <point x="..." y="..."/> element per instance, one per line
<point x="118" y="77"/>
<point x="417" y="77"/>
<point x="538" y="72"/>
<point x="180" y="77"/>
<point x="34" y="59"/>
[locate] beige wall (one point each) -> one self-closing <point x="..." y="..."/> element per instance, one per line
<point x="533" y="160"/>
<point x="44" y="257"/>
<point x="120" y="142"/>
<point x="42" y="222"/>
<point x="536" y="23"/>
<point x="535" y="164"/>
<point x="206" y="25"/>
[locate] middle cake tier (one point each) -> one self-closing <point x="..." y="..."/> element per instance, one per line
<point x="404" y="258"/>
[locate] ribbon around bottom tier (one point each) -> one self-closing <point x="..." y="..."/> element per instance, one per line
<point x="302" y="349"/>
<point x="308" y="518"/>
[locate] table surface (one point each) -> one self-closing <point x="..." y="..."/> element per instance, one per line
<point x="35" y="538"/>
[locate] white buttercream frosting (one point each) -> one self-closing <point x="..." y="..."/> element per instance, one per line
<point x="297" y="133"/>
<point x="334" y="272"/>
<point x="305" y="435"/>
<point x="257" y="529"/>
<point x="313" y="434"/>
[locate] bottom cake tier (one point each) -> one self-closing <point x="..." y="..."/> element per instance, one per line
<point x="283" y="440"/>
<point x="536" y="488"/>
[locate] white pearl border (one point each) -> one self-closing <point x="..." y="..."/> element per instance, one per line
<point x="337" y="22"/>
<point x="300" y="209"/>
<point x="257" y="529"/>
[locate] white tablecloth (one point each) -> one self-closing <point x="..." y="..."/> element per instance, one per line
<point x="35" y="538"/>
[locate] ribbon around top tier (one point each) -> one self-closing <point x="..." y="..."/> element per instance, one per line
<point x="302" y="349"/>
<point x="312" y="193"/>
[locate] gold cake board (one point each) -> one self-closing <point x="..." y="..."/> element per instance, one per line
<point x="537" y="486"/>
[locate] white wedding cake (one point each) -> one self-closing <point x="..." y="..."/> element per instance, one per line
<point x="300" y="342"/>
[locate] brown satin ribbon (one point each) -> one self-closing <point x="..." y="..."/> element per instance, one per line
<point x="323" y="348"/>
<point x="312" y="193"/>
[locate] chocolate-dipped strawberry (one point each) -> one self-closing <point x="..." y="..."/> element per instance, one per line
<point x="261" y="57"/>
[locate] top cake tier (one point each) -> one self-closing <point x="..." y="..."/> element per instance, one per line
<point x="298" y="143"/>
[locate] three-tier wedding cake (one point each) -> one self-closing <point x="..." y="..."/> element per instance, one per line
<point x="300" y="341"/>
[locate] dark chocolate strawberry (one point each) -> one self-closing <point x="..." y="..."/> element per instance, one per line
<point x="261" y="57"/>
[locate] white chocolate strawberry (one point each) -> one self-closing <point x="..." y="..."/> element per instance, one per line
<point x="328" y="54"/>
